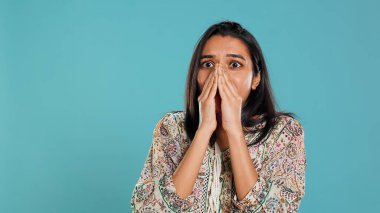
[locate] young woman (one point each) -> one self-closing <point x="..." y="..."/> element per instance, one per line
<point x="230" y="150"/>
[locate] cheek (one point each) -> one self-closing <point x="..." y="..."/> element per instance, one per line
<point x="243" y="85"/>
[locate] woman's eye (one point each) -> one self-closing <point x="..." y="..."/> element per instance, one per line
<point x="207" y="64"/>
<point x="235" y="65"/>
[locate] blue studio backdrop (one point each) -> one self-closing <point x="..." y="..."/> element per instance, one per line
<point x="83" y="83"/>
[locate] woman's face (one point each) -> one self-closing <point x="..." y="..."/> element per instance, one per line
<point x="232" y="54"/>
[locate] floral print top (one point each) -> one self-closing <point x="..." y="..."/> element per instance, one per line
<point x="280" y="162"/>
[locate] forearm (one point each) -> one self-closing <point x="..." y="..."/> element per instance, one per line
<point x="187" y="171"/>
<point x="244" y="171"/>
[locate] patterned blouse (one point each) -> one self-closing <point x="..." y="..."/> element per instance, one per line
<point x="280" y="163"/>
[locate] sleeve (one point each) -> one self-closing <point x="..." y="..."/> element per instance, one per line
<point x="281" y="184"/>
<point x="155" y="190"/>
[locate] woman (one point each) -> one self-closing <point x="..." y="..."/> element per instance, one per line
<point x="230" y="151"/>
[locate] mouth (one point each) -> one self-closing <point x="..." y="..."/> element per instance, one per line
<point x="217" y="95"/>
<point x="217" y="101"/>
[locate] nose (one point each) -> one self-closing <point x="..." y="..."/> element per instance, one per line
<point x="220" y="67"/>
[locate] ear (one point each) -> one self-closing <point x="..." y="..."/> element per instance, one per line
<point x="256" y="81"/>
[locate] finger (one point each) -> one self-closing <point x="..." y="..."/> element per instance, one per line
<point x="214" y="86"/>
<point x="209" y="86"/>
<point x="221" y="88"/>
<point x="205" y="85"/>
<point x="224" y="83"/>
<point x="230" y="85"/>
<point x="225" y="89"/>
<point x="208" y="89"/>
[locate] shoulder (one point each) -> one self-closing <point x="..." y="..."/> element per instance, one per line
<point x="289" y="124"/>
<point x="168" y="123"/>
<point x="177" y="115"/>
<point x="172" y="117"/>
<point x="287" y="135"/>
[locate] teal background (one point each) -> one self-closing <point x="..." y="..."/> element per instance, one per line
<point x="83" y="83"/>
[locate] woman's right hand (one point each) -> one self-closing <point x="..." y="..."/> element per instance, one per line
<point x="206" y="102"/>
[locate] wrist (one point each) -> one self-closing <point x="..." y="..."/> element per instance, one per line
<point x="205" y="128"/>
<point x="235" y="132"/>
<point x="204" y="131"/>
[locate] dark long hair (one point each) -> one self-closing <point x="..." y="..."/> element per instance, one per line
<point x="259" y="102"/>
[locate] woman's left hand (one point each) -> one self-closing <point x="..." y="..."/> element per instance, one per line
<point x="231" y="103"/>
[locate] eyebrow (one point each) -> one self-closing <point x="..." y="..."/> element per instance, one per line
<point x="228" y="55"/>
